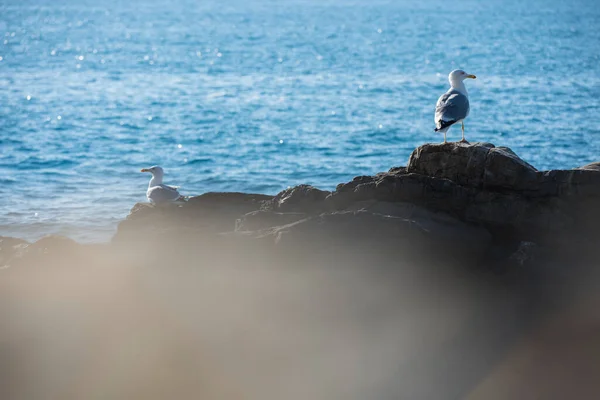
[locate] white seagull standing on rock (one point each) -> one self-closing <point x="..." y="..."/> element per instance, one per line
<point x="453" y="106"/>
<point x="159" y="193"/>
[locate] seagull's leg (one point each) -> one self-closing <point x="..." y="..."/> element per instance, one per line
<point x="444" y="136"/>
<point x="463" y="132"/>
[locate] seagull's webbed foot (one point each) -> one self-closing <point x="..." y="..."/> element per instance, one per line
<point x="463" y="140"/>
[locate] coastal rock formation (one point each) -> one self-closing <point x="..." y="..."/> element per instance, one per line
<point x="382" y="229"/>
<point x="301" y="198"/>
<point x="262" y="219"/>
<point x="595" y="166"/>
<point x="462" y="164"/>
<point x="208" y="213"/>
<point x="452" y="196"/>
<point x="459" y="201"/>
<point x="484" y="166"/>
<point x="487" y="186"/>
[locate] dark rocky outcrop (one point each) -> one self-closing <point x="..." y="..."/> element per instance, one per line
<point x="208" y="213"/>
<point x="381" y="230"/>
<point x="524" y="255"/>
<point x="595" y="166"/>
<point x="303" y="198"/>
<point x="451" y="191"/>
<point x="459" y="201"/>
<point x="484" y="166"/>
<point x="462" y="164"/>
<point x="262" y="219"/>
<point x="488" y="186"/>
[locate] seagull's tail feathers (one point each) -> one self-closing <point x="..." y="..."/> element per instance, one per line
<point x="441" y="125"/>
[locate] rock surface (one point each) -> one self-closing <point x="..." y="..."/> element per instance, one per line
<point x="462" y="199"/>
<point x="304" y="198"/>
<point x="595" y="166"/>
<point x="207" y="213"/>
<point x="461" y="163"/>
<point x="481" y="192"/>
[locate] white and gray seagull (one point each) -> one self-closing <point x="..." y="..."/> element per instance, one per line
<point x="453" y="106"/>
<point x="159" y="193"/>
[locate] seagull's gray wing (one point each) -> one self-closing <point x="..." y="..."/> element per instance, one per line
<point x="162" y="194"/>
<point x="451" y="107"/>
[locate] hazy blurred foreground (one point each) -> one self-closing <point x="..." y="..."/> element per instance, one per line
<point x="214" y="322"/>
<point x="361" y="293"/>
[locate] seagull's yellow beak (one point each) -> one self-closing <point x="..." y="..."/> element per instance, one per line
<point x="471" y="76"/>
<point x="144" y="170"/>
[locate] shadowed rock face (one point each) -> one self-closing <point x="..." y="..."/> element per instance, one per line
<point x="304" y="198"/>
<point x="208" y="213"/>
<point x="352" y="294"/>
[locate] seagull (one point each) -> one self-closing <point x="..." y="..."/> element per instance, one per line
<point x="453" y="106"/>
<point x="159" y="193"/>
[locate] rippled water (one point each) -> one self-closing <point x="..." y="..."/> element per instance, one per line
<point x="260" y="95"/>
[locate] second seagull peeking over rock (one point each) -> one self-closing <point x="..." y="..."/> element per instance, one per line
<point x="159" y="193"/>
<point x="453" y="106"/>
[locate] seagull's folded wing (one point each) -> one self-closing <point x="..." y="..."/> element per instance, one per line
<point x="162" y="193"/>
<point x="451" y="107"/>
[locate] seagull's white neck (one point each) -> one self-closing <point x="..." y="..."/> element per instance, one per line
<point x="155" y="181"/>
<point x="460" y="86"/>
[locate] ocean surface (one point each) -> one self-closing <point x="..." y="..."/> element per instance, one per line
<point x="260" y="95"/>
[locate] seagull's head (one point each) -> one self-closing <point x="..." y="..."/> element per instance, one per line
<point x="156" y="171"/>
<point x="458" y="75"/>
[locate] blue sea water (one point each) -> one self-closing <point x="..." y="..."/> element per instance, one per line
<point x="258" y="95"/>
